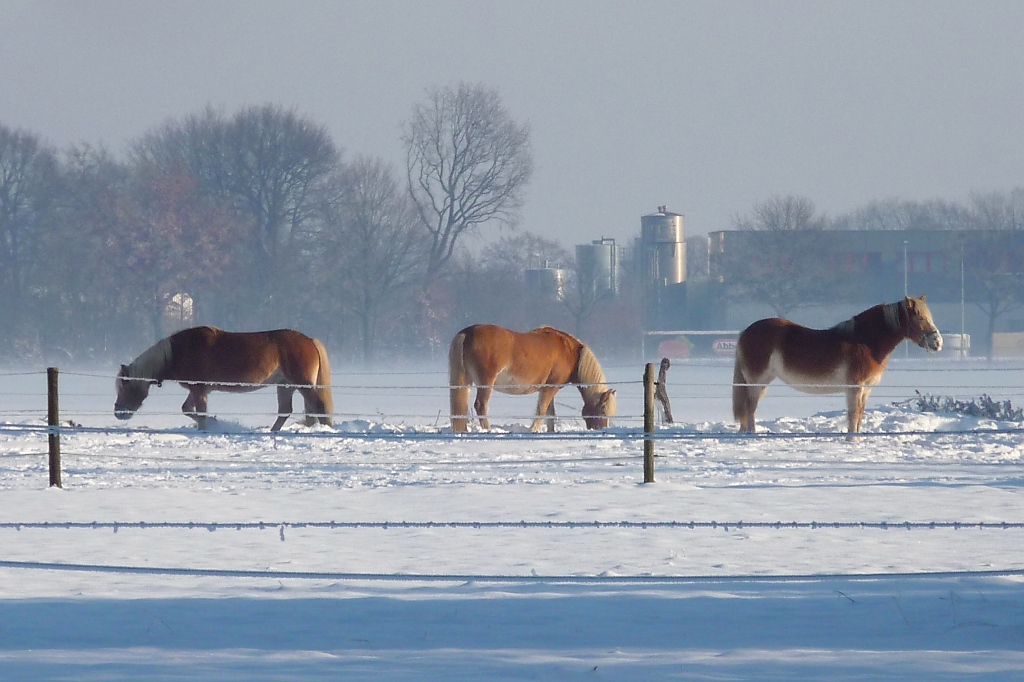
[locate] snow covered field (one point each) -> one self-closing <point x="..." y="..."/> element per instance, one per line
<point x="387" y="549"/>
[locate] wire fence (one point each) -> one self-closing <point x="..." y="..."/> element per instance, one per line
<point x="282" y="529"/>
<point x="392" y="397"/>
<point x="727" y="526"/>
<point x="86" y="396"/>
<point x="392" y="422"/>
<point x="560" y="579"/>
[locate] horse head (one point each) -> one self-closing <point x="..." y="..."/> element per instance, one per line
<point x="597" y="412"/>
<point x="921" y="328"/>
<point x="131" y="391"/>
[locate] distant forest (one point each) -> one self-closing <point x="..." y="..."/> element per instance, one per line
<point x="256" y="220"/>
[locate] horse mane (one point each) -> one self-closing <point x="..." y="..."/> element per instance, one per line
<point x="589" y="373"/>
<point x="152" y="361"/>
<point x="890" y="315"/>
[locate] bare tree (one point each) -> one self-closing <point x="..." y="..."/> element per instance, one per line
<point x="468" y="164"/>
<point x="998" y="210"/>
<point x="520" y="252"/>
<point x="994" y="256"/>
<point x="899" y="214"/>
<point x="269" y="162"/>
<point x="28" y="187"/>
<point x="171" y="241"/>
<point x="778" y="262"/>
<point x="371" y="243"/>
<point x="783" y="214"/>
<point x="81" y="289"/>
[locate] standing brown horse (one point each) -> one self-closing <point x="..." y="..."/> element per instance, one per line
<point x="204" y="359"/>
<point x="850" y="356"/>
<point x="539" y="361"/>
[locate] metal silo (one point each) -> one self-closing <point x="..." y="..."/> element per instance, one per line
<point x="547" y="284"/>
<point x="664" y="249"/>
<point x="597" y="266"/>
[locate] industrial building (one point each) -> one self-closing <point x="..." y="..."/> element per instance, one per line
<point x="691" y="291"/>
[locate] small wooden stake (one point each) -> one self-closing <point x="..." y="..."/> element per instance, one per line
<point x="661" y="391"/>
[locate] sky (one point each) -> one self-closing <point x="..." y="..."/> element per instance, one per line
<point x="704" y="107"/>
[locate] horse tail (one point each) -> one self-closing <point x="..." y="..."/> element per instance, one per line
<point x="323" y="384"/>
<point x="458" y="384"/>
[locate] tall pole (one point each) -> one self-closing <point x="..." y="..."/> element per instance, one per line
<point x="905" y="269"/>
<point x="906" y="346"/>
<point x="963" y="335"/>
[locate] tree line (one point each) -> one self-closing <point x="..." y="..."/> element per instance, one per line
<point x="255" y="220"/>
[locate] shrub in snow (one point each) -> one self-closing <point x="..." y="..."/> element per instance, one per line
<point x="983" y="406"/>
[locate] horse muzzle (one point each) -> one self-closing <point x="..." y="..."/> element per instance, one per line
<point x="931" y="341"/>
<point x="123" y="413"/>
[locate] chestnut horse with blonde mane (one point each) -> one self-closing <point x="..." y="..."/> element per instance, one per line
<point x="204" y="359"/>
<point x="850" y="357"/>
<point x="539" y="361"/>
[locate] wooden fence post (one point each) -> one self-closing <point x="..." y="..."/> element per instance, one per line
<point x="649" y="423"/>
<point x="53" y="420"/>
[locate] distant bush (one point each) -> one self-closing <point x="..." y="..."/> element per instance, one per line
<point x="983" y="406"/>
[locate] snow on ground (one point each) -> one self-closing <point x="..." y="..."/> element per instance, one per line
<point x="387" y="549"/>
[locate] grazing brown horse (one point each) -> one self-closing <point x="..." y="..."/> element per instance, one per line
<point x="850" y="356"/>
<point x="539" y="361"/>
<point x="204" y="359"/>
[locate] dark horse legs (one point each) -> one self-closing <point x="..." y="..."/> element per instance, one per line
<point x="284" y="406"/>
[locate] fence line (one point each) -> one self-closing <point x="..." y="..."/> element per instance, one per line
<point x="485" y="578"/>
<point x="934" y="365"/>
<point x="610" y="434"/>
<point x="445" y="387"/>
<point x="281" y="526"/>
<point x="568" y="460"/>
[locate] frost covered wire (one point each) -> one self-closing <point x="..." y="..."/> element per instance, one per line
<point x="708" y="391"/>
<point x="602" y="579"/>
<point x="389" y="390"/>
<point x="613" y="434"/>
<point x="213" y="526"/>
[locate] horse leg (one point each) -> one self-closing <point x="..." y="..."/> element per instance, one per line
<point x="483" y="396"/>
<point x="315" y="409"/>
<point x="195" y="405"/>
<point x="745" y="400"/>
<point x="545" y="409"/>
<point x="458" y="400"/>
<point x="284" y="406"/>
<point x="754" y="395"/>
<point x="745" y="397"/>
<point x="856" y="400"/>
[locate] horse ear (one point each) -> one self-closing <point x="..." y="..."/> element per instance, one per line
<point x="124" y="370"/>
<point x="923" y="296"/>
